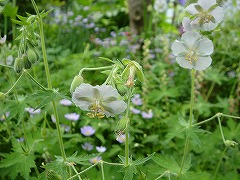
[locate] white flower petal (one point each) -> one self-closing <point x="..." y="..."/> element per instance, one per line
<point x="114" y="107"/>
<point x="204" y="47"/>
<point x="107" y="91"/>
<point x="178" y="47"/>
<point x="190" y="37"/>
<point x="191" y="9"/>
<point x="202" y="63"/>
<point x="83" y="96"/>
<point x="184" y="63"/>
<point x="218" y="14"/>
<point x="206" y="4"/>
<point x="186" y="24"/>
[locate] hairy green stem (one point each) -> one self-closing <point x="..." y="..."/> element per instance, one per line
<point x="186" y="146"/>
<point x="102" y="170"/>
<point x="210" y="91"/>
<point x="94" y="69"/>
<point x="10" y="90"/>
<point x="79" y="177"/>
<point x="90" y="167"/>
<point x="129" y="92"/>
<point x="49" y="79"/>
<point x="220" y="126"/>
<point x="34" y="80"/>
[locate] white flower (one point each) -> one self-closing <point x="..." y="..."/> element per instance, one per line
<point x="193" y="51"/>
<point x="207" y="14"/>
<point x="160" y="5"/>
<point x="101" y="149"/>
<point x="3" y="39"/>
<point x="65" y="102"/>
<point x="99" y="100"/>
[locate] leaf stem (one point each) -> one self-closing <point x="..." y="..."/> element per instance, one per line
<point x="94" y="69"/>
<point x="10" y="90"/>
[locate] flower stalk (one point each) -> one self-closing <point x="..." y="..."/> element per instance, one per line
<point x="49" y="79"/>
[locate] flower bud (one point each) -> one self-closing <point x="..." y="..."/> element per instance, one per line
<point x="230" y="143"/>
<point x="2" y="96"/>
<point x="77" y="81"/>
<point x="26" y="63"/>
<point x="32" y="57"/>
<point x="18" y="65"/>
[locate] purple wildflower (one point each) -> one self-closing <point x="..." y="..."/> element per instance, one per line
<point x="136" y="100"/>
<point x="32" y="112"/>
<point x="134" y="110"/>
<point x="121" y="138"/>
<point x="66" y="102"/>
<point x="182" y="2"/>
<point x="72" y="116"/>
<point x="87" y="146"/>
<point x="21" y="139"/>
<point x="95" y="159"/>
<point x="87" y="130"/>
<point x="147" y="115"/>
<point x="101" y="149"/>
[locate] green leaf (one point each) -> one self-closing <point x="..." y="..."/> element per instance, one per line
<point x="18" y="161"/>
<point x="167" y="162"/>
<point x="44" y="96"/>
<point x="56" y="167"/>
<point x="129" y="172"/>
<point x="22" y="23"/>
<point x="143" y="160"/>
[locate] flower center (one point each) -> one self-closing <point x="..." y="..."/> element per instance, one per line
<point x="205" y="18"/>
<point x="191" y="56"/>
<point x="96" y="110"/>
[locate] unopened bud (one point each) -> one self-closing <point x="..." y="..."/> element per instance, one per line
<point x="18" y="65"/>
<point x="77" y="81"/>
<point x="230" y="143"/>
<point x="32" y="57"/>
<point x="2" y="96"/>
<point x="26" y="63"/>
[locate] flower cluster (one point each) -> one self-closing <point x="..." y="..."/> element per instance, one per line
<point x="193" y="50"/>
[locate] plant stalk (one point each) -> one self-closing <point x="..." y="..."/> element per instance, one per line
<point x="49" y="79"/>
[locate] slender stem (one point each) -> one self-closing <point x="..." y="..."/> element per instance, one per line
<point x="90" y="167"/>
<point x="14" y="84"/>
<point x="59" y="131"/>
<point x="102" y="170"/>
<point x="186" y="146"/>
<point x="79" y="177"/>
<point x="219" y="163"/>
<point x="94" y="69"/>
<point x="220" y="126"/>
<point x="34" y="80"/>
<point x="216" y="115"/>
<point x="6" y="66"/>
<point x="192" y="96"/>
<point x="207" y="120"/>
<point x="210" y="91"/>
<point x="114" y="164"/>
<point x="225" y="115"/>
<point x="127" y="128"/>
<point x="5" y="25"/>
<point x="49" y="80"/>
<point x="184" y="155"/>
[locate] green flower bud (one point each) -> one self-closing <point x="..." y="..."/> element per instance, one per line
<point x="122" y="124"/>
<point x="32" y="57"/>
<point x="2" y="96"/>
<point x="230" y="143"/>
<point x="77" y="81"/>
<point x="18" y="65"/>
<point x="26" y="63"/>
